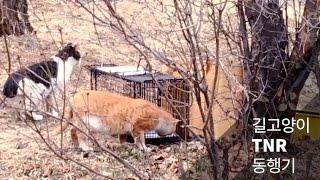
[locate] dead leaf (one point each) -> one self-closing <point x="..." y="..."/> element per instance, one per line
<point x="47" y="172"/>
<point x="182" y="167"/>
<point x="21" y="145"/>
<point x="160" y="157"/>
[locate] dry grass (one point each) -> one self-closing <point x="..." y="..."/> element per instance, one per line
<point x="24" y="155"/>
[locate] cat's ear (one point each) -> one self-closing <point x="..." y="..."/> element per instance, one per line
<point x="64" y="52"/>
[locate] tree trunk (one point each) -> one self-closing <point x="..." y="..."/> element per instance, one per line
<point x="14" y="17"/>
<point x="303" y="56"/>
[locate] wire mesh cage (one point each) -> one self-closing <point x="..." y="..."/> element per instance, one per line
<point x="137" y="83"/>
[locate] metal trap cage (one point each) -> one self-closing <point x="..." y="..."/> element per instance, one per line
<point x="137" y="83"/>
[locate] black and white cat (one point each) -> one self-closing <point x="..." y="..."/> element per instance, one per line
<point x="38" y="81"/>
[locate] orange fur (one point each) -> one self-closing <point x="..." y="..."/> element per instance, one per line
<point x="113" y="114"/>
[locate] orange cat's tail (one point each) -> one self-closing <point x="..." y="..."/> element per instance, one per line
<point x="65" y="122"/>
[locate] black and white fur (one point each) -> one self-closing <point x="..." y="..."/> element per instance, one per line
<point x="37" y="82"/>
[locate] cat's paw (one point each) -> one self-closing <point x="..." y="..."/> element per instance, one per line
<point x="37" y="117"/>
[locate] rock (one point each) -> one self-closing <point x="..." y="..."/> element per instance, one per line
<point x="160" y="156"/>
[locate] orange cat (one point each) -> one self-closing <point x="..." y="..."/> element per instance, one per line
<point x="105" y="112"/>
